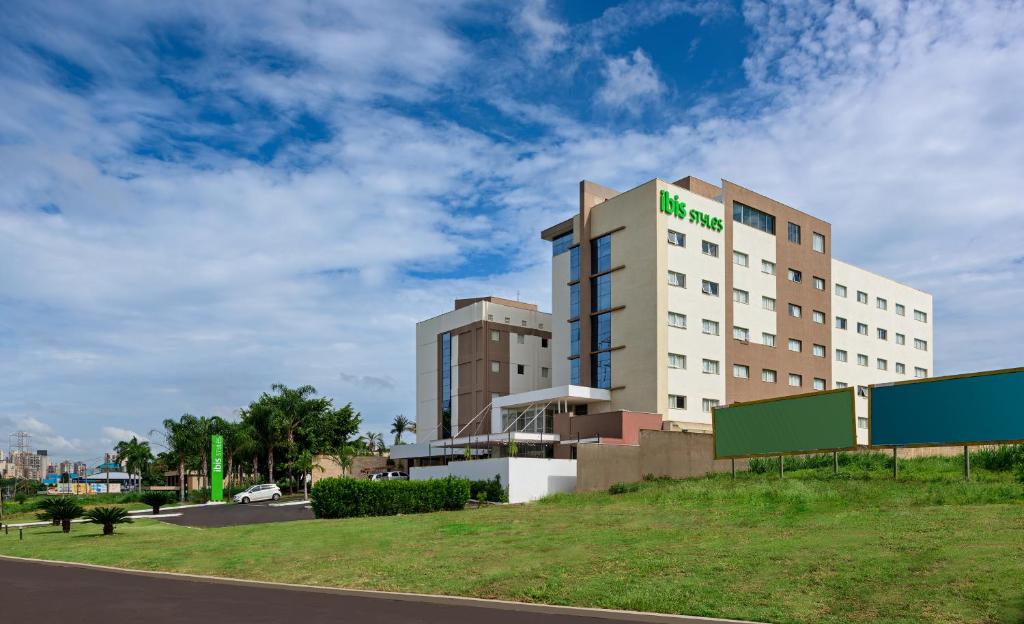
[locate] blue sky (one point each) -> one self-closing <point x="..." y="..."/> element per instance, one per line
<point x="199" y="201"/>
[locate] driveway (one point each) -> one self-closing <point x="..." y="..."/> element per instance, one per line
<point x="210" y="516"/>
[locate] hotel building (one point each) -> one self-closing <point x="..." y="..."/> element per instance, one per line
<point x="667" y="300"/>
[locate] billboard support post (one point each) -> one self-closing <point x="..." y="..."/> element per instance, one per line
<point x="835" y="462"/>
<point x="733" y="467"/>
<point x="967" y="463"/>
<point x="782" y="466"/>
<point x="895" y="466"/>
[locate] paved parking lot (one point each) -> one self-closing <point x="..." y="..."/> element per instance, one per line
<point x="233" y="515"/>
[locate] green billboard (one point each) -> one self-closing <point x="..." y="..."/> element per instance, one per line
<point x="805" y="423"/>
<point x="977" y="408"/>
<point x="216" y="468"/>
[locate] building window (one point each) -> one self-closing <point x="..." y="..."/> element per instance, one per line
<point x="840" y="322"/>
<point x="710" y="367"/>
<point x="574" y="338"/>
<point x="862" y="391"/>
<point x="794" y="233"/>
<point x="883" y="334"/>
<point x="842" y="384"/>
<point x="520" y="369"/>
<point x="901" y="368"/>
<point x="920" y="373"/>
<point x="710" y="327"/>
<point x="446" y="385"/>
<point x="676" y="401"/>
<point x="574" y="264"/>
<point x="601" y="292"/>
<point x="840" y="291"/>
<point x="818" y="350"/>
<point x="818" y="242"/>
<point x="544" y="372"/>
<point x="676" y="319"/>
<point x="795" y="311"/>
<point x="561" y="244"/>
<point x="795" y="276"/>
<point x="601" y="332"/>
<point x="709" y="404"/>
<point x="741" y="333"/>
<point x="862" y="360"/>
<point x="819" y="283"/>
<point x="768" y="267"/>
<point x="769" y="376"/>
<point x="818" y="383"/>
<point x="521" y="338"/>
<point x="490" y="317"/>
<point x="574" y="371"/>
<point x="523" y="323"/>
<point x="740" y="296"/>
<point x="901" y="310"/>
<point x="753" y="217"/>
<point x="795" y="345"/>
<point x="901" y="339"/>
<point x="840" y="355"/>
<point x="574" y="300"/>
<point x="768" y="303"/>
<point x="543" y="343"/>
<point x="709" y="249"/>
<point x="920" y="316"/>
<point x="495" y="366"/>
<point x="862" y="297"/>
<point x="741" y="371"/>
<point x="601" y="370"/>
<point x="740" y="258"/>
<point x="796" y="380"/>
<point x="495" y="336"/>
<point x="921" y="345"/>
<point x="767" y="339"/>
<point x="676" y="360"/>
<point x="676" y="279"/>
<point x="508" y="321"/>
<point x="601" y="254"/>
<point x="709" y="288"/>
<point x="676" y="238"/>
<point x="862" y="329"/>
<point x="881" y="304"/>
<point x="862" y="422"/>
<point x="882" y="364"/>
<point x="818" y="317"/>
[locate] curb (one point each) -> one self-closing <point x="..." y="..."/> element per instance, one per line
<point x="485" y="603"/>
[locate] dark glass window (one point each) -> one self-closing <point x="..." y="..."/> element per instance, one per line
<point x="601" y="254"/>
<point x="446" y="385"/>
<point x="794" y="233"/>
<point x="561" y="244"/>
<point x="601" y="332"/>
<point x="574" y="338"/>
<point x="574" y="372"/>
<point x="601" y="293"/>
<point x="601" y="370"/>
<point x="574" y="264"/>
<point x="574" y="301"/>
<point x="753" y="217"/>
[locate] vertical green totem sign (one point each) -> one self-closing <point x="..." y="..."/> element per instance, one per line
<point x="216" y="468"/>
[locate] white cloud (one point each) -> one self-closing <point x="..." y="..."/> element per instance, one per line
<point x="543" y="34"/>
<point x="112" y="435"/>
<point x="630" y="82"/>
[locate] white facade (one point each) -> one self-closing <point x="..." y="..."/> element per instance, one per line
<point x="526" y="478"/>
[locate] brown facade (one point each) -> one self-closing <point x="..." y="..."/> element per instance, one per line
<point x="788" y="255"/>
<point x="477" y="383"/>
<point x="616" y="427"/>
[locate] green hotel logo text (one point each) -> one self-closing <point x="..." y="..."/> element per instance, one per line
<point x="670" y="204"/>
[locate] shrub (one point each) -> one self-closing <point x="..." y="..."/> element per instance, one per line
<point x="156" y="500"/>
<point x="62" y="509"/>
<point x="1003" y="458"/>
<point x="108" y="517"/>
<point x="623" y="488"/>
<point x="488" y="490"/>
<point x="344" y="497"/>
<point x="199" y="496"/>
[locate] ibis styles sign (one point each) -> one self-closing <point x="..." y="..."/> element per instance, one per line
<point x="216" y="468"/>
<point x="670" y="204"/>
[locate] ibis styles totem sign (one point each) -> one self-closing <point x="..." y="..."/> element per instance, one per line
<point x="216" y="468"/>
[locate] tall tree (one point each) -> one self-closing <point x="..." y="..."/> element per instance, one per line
<point x="180" y="439"/>
<point x="399" y="426"/>
<point x="239" y="441"/>
<point x="135" y="455"/>
<point x="259" y="416"/>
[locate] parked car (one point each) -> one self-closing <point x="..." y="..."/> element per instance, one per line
<point x="393" y="475"/>
<point x="266" y="491"/>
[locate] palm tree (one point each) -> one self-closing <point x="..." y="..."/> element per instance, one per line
<point x="108" y="517"/>
<point x="240" y="441"/>
<point x="375" y="442"/>
<point x="62" y="509"/>
<point x="180" y="437"/>
<point x="305" y="464"/>
<point x="260" y="417"/>
<point x="155" y="499"/>
<point x="399" y="426"/>
<point x="135" y="455"/>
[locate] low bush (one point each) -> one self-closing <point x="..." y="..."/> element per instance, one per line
<point x="344" y="497"/>
<point x="1000" y="459"/>
<point x="623" y="488"/>
<point x="199" y="496"/>
<point x="488" y="490"/>
<point x="863" y="461"/>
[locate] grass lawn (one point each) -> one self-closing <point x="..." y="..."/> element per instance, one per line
<point x="809" y="548"/>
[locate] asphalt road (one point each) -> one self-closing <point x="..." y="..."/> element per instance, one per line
<point x="234" y="515"/>
<point x="49" y="592"/>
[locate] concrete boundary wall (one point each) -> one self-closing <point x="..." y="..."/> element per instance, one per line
<point x="525" y="478"/>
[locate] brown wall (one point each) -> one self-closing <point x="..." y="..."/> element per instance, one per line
<point x="361" y="466"/>
<point x="787" y="255"/>
<point x="672" y="454"/>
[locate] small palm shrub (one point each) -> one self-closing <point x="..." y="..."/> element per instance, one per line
<point x="108" y="517"/>
<point x="60" y="510"/>
<point x="155" y="500"/>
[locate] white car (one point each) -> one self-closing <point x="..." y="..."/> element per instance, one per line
<point x="393" y="475"/>
<point x="267" y="491"/>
